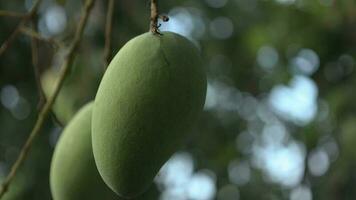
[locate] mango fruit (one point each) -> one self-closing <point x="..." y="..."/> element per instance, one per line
<point x="73" y="174"/>
<point x="149" y="98"/>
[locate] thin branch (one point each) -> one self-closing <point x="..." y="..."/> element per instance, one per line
<point x="34" y="34"/>
<point x="14" y="34"/>
<point x="154" y="26"/>
<point x="108" y="32"/>
<point x="34" y="50"/>
<point x="44" y="112"/>
<point x="56" y="120"/>
<point x="35" y="65"/>
<point x="5" y="13"/>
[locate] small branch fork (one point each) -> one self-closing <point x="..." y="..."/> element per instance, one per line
<point x="36" y="68"/>
<point x="21" y="28"/>
<point x="25" y="18"/>
<point x="45" y="110"/>
<point x="154" y="25"/>
<point x="34" y="34"/>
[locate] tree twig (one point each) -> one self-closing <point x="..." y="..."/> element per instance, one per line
<point x="14" y="34"/>
<point x="44" y="112"/>
<point x="34" y="34"/>
<point x="154" y="17"/>
<point x="5" y="13"/>
<point x="154" y="26"/>
<point x="36" y="70"/>
<point x="108" y="32"/>
<point x="41" y="95"/>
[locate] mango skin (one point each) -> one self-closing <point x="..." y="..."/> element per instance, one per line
<point x="73" y="174"/>
<point x="149" y="97"/>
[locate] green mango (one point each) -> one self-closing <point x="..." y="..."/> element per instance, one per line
<point x="150" y="96"/>
<point x="73" y="173"/>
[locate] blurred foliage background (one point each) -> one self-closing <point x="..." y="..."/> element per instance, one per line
<point x="279" y="120"/>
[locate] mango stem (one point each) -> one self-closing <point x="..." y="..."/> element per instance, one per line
<point x="154" y="25"/>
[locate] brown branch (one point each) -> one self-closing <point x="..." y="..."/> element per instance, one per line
<point x="108" y="32"/>
<point x="34" y="50"/>
<point x="44" y="112"/>
<point x="154" y="17"/>
<point x="34" y="34"/>
<point x="5" y="13"/>
<point x="15" y="33"/>
<point x="36" y="70"/>
<point x="41" y="96"/>
<point x="154" y="25"/>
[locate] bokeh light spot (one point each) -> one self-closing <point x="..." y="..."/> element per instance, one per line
<point x="318" y="162"/>
<point x="267" y="57"/>
<point x="201" y="186"/>
<point x="22" y="109"/>
<point x="176" y="171"/>
<point x="239" y="172"/>
<point x="9" y="96"/>
<point x="184" y="22"/>
<point x="306" y="62"/>
<point x="221" y="27"/>
<point x="282" y="163"/>
<point x="301" y="193"/>
<point x="297" y="102"/>
<point x="56" y="19"/>
<point x="222" y="97"/>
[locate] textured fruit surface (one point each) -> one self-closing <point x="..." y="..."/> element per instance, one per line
<point x="73" y="174"/>
<point x="149" y="97"/>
